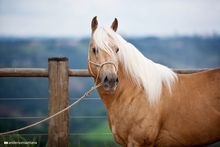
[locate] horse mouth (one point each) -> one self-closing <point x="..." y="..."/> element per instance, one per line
<point x="109" y="88"/>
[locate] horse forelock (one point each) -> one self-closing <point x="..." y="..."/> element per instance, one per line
<point x="102" y="38"/>
<point x="144" y="72"/>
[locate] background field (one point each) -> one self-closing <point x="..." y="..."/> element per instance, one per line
<point x="175" y="52"/>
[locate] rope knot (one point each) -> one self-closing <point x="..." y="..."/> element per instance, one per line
<point x="87" y="94"/>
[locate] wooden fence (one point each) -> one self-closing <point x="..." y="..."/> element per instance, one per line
<point x="58" y="75"/>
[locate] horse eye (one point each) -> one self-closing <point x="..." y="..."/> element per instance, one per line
<point x="94" y="50"/>
<point x="117" y="50"/>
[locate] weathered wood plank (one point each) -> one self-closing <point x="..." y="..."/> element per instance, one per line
<point x="58" y="130"/>
<point x="23" y="72"/>
<point x="43" y="72"/>
<point x="79" y="73"/>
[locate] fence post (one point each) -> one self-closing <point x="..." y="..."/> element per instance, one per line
<point x="58" y="129"/>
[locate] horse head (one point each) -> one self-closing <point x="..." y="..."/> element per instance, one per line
<point x="102" y="59"/>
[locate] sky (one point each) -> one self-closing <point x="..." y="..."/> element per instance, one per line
<point x="72" y="18"/>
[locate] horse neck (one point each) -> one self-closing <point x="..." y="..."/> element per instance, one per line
<point x="126" y="90"/>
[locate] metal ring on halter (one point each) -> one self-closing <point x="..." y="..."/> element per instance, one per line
<point x="100" y="65"/>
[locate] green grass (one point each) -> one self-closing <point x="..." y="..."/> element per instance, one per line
<point x="18" y="138"/>
<point x="93" y="139"/>
<point x="99" y="140"/>
<point x="103" y="128"/>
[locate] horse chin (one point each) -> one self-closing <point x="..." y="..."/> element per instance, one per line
<point x="109" y="88"/>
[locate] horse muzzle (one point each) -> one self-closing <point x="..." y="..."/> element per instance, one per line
<point x="110" y="82"/>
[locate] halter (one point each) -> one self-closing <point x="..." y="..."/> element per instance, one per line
<point x="100" y="67"/>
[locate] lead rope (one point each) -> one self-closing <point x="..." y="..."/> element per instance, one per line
<point x="67" y="108"/>
<point x="37" y="123"/>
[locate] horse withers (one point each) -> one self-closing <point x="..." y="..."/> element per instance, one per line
<point x="147" y="103"/>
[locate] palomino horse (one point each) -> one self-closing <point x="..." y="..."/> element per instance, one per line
<point x="147" y="103"/>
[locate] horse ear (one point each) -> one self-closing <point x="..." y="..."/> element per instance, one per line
<point x="114" y="25"/>
<point x="94" y="24"/>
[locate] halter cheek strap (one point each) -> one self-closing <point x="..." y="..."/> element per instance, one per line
<point x="91" y="69"/>
<point x="100" y="67"/>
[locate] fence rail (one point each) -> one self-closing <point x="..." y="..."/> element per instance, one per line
<point x="58" y="74"/>
<point x="38" y="72"/>
<point x="43" y="72"/>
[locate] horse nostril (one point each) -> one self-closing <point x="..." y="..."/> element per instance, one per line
<point x="106" y="80"/>
<point x="117" y="81"/>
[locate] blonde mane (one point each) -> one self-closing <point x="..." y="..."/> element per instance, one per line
<point x="143" y="71"/>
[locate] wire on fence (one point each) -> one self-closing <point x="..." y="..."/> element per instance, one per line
<point x="26" y="135"/>
<point x="71" y="134"/>
<point x="80" y="134"/>
<point x="9" y="118"/>
<point x="16" y="99"/>
<point x="42" y="117"/>
<point x="85" y="98"/>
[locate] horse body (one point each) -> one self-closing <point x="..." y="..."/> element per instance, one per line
<point x="183" y="111"/>
<point x="189" y="117"/>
